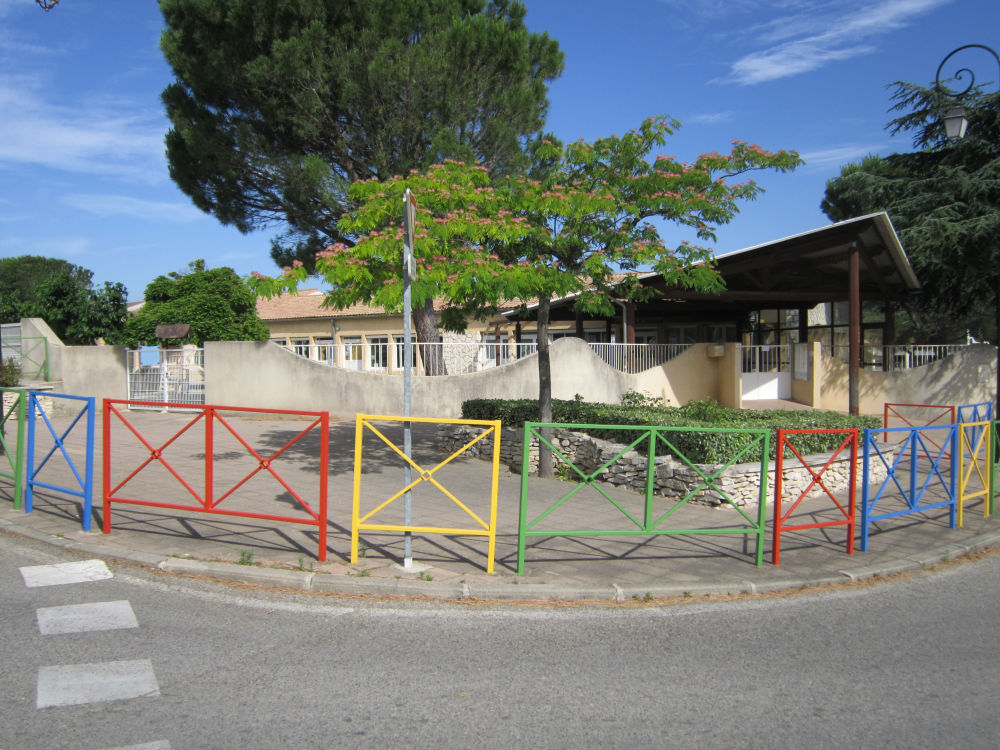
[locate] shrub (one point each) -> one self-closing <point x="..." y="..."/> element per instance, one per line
<point x="10" y="373"/>
<point x="698" y="444"/>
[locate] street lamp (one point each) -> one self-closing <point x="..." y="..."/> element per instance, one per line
<point x="956" y="123"/>
<point x="955" y="119"/>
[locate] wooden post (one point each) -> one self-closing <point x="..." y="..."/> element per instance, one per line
<point x="854" y="331"/>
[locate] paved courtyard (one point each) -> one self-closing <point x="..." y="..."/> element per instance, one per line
<point x="553" y="563"/>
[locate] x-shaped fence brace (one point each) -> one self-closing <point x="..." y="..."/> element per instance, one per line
<point x="650" y="524"/>
<point x="362" y="522"/>
<point x="781" y="523"/>
<point x="915" y="448"/>
<point x="84" y="488"/>
<point x="207" y="502"/>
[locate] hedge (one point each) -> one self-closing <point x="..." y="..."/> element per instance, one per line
<point x="698" y="446"/>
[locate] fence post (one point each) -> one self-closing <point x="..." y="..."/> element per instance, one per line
<point x="17" y="465"/>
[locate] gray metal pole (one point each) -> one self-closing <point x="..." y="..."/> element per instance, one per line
<point x="408" y="269"/>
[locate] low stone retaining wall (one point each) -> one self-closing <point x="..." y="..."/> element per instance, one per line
<point x="673" y="478"/>
<point x="44" y="403"/>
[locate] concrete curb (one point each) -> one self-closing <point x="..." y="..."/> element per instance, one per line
<point x="512" y="590"/>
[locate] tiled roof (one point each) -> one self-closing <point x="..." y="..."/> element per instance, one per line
<point x="308" y="304"/>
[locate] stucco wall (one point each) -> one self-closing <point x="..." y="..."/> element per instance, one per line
<point x="966" y="377"/>
<point x="97" y="371"/>
<point x="693" y="374"/>
<point x="808" y="391"/>
<point x="262" y="374"/>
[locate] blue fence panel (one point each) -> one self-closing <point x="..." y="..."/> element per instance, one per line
<point x="981" y="412"/>
<point x="922" y="461"/>
<point x="85" y="482"/>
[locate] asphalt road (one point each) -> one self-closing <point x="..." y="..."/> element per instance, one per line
<point x="906" y="664"/>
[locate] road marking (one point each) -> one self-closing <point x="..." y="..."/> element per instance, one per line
<point x="78" y="684"/>
<point x="86" y="618"/>
<point x="62" y="573"/>
<point x="154" y="745"/>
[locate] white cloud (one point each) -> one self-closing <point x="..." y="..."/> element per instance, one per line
<point x="91" y="140"/>
<point x="711" y="118"/>
<point x="105" y="205"/>
<point x="808" y="35"/>
<point x="840" y="155"/>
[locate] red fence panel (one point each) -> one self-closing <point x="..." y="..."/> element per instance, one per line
<point x="916" y="415"/>
<point x="184" y="468"/>
<point x="781" y="520"/>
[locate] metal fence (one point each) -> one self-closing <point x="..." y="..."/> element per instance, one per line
<point x="767" y="358"/>
<point x="658" y="515"/>
<point x="216" y="466"/>
<point x="459" y="358"/>
<point x="31" y="353"/>
<point x="920" y="474"/>
<point x="899" y="357"/>
<point x="170" y="376"/>
<point x="637" y="357"/>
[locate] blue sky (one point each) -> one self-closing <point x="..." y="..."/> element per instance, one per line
<point x="83" y="176"/>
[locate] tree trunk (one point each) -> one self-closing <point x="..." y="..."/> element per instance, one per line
<point x="544" y="388"/>
<point x="425" y="323"/>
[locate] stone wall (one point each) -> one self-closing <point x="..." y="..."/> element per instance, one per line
<point x="672" y="477"/>
<point x="9" y="398"/>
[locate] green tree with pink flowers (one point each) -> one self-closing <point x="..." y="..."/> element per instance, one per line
<point x="583" y="214"/>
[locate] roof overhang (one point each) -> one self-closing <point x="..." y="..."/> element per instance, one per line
<point x="801" y="271"/>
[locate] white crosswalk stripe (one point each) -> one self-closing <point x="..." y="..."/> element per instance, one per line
<point x="78" y="684"/>
<point x="64" y="573"/>
<point x="155" y="745"/>
<point x="85" y="618"/>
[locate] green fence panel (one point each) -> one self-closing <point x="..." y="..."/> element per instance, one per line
<point x="34" y="356"/>
<point x="754" y="448"/>
<point x="12" y="460"/>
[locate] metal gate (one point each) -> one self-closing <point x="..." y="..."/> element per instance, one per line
<point x="767" y="372"/>
<point x="172" y="376"/>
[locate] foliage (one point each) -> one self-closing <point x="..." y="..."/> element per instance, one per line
<point x="280" y="105"/>
<point x="640" y="400"/>
<point x="568" y="228"/>
<point x="10" y="373"/>
<point x="215" y="302"/>
<point x="944" y="201"/>
<point x="698" y="445"/>
<point x="62" y="294"/>
<point x="480" y="242"/>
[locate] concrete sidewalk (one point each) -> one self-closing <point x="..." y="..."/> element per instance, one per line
<point x="284" y="554"/>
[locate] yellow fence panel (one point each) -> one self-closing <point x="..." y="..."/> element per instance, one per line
<point x="367" y="521"/>
<point x="975" y="465"/>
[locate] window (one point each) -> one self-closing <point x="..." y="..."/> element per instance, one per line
<point x="528" y="345"/>
<point x="494" y="351"/>
<point x="378" y="357"/>
<point x="353" y="352"/>
<point x="645" y="336"/>
<point x="300" y="347"/>
<point x="678" y="335"/>
<point x="324" y="350"/>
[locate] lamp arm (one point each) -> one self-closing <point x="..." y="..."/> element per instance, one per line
<point x="960" y="73"/>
